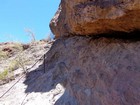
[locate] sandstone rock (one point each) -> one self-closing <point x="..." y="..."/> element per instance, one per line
<point x="91" y="17"/>
<point x="96" y="71"/>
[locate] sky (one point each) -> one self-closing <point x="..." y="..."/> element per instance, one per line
<point x="16" y="16"/>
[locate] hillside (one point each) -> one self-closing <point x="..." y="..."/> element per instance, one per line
<point x="16" y="57"/>
<point x="16" y="64"/>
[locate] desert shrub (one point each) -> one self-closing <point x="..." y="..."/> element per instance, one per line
<point x="13" y="65"/>
<point x="18" y="47"/>
<point x="3" y="55"/>
<point x="8" y="73"/>
<point x="4" y="74"/>
<point x="22" y="61"/>
<point x="31" y="34"/>
<point x="9" y="50"/>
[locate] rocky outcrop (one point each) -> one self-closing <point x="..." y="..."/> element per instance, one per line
<point x="96" y="56"/>
<point x="91" y="17"/>
<point x="98" y="71"/>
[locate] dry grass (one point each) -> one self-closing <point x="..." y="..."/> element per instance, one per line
<point x="17" y="47"/>
<point x="8" y="74"/>
<point x="3" y="55"/>
<point x="16" y="57"/>
<point x="9" y="50"/>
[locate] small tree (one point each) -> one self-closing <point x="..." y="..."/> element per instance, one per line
<point x="31" y="34"/>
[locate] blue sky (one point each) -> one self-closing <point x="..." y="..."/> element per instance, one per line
<point x="18" y="15"/>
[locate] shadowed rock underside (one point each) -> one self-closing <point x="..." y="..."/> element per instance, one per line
<point x="91" y="17"/>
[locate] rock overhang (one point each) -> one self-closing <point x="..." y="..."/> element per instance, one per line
<point x="93" y="17"/>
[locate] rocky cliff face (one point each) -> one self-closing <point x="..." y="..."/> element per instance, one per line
<point x="96" y="71"/>
<point x="100" y="69"/>
<point x="91" y="17"/>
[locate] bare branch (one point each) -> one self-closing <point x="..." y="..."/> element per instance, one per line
<point x="31" y="34"/>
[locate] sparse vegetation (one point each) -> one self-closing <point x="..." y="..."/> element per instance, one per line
<point x="16" y="57"/>
<point x="8" y="73"/>
<point x="8" y="50"/>
<point x="22" y="61"/>
<point x="18" y="62"/>
<point x="13" y="65"/>
<point x="4" y="74"/>
<point x="18" y="46"/>
<point x="3" y="55"/>
<point x="31" y="34"/>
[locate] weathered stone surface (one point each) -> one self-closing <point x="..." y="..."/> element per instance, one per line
<point x="91" y="17"/>
<point x="98" y="71"/>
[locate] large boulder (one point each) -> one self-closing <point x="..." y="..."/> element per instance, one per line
<point x="96" y="71"/>
<point x="94" y="57"/>
<point x="91" y="17"/>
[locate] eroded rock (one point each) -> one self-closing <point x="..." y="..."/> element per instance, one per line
<point x="96" y="71"/>
<point x="91" y="17"/>
<point x="98" y="61"/>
